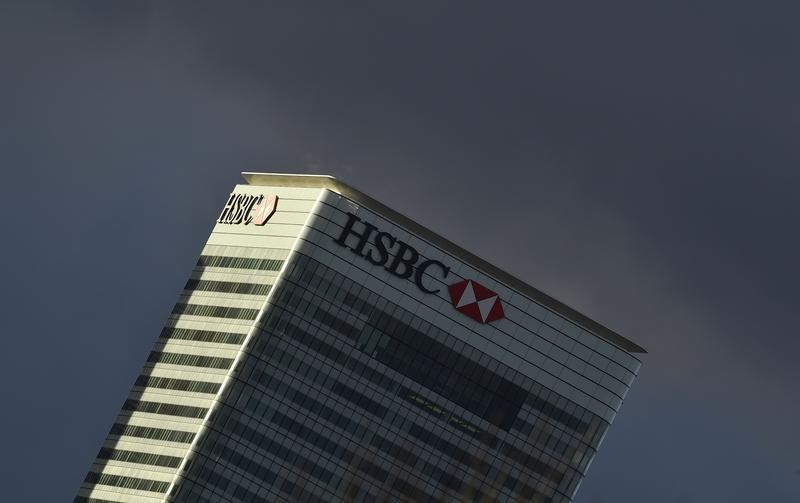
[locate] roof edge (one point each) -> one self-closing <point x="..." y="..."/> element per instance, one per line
<point x="331" y="183"/>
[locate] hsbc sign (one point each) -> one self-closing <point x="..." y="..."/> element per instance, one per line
<point x="248" y="209"/>
<point x="402" y="260"/>
<point x="403" y="264"/>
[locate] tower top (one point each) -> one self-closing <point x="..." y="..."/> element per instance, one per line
<point x="355" y="195"/>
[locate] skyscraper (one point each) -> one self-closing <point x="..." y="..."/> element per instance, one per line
<point x="327" y="348"/>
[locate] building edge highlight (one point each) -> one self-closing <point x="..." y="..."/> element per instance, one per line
<point x="253" y="332"/>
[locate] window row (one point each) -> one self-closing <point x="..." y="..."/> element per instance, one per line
<point x="271" y="421"/>
<point x="84" y="499"/>
<point x="177" y="384"/>
<point x="272" y="353"/>
<point x="259" y="407"/>
<point x="167" y="409"/>
<point x="452" y="481"/>
<point x="129" y="430"/>
<point x="538" y="434"/>
<point x="337" y="387"/>
<point x="237" y="313"/>
<point x="269" y="349"/>
<point x="410" y="352"/>
<point x="236" y="457"/>
<point x="197" y="485"/>
<point x="440" y="412"/>
<point x="267" y="446"/>
<point x="267" y="379"/>
<point x="126" y="482"/>
<point x="214" y="362"/>
<point x="188" y="334"/>
<point x="296" y="334"/>
<point x="334" y="287"/>
<point x="227" y="287"/>
<point x="309" y="273"/>
<point x="261" y="264"/>
<point x="254" y="434"/>
<point x="460" y="455"/>
<point x="142" y="458"/>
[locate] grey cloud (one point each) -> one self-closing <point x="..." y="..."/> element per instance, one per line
<point x="637" y="162"/>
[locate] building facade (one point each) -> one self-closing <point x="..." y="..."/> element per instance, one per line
<point x="326" y="348"/>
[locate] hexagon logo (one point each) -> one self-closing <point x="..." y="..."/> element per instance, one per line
<point x="476" y="301"/>
<point x="264" y="209"/>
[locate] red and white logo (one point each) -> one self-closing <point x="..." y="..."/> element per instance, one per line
<point x="476" y="301"/>
<point x="264" y="209"/>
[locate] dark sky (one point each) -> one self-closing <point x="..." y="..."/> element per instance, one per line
<point x="637" y="161"/>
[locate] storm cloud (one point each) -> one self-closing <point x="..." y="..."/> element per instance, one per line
<point x="638" y="162"/>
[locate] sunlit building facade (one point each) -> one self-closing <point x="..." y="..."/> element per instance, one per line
<point x="327" y="348"/>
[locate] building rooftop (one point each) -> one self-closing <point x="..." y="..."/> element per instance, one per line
<point x="331" y="183"/>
